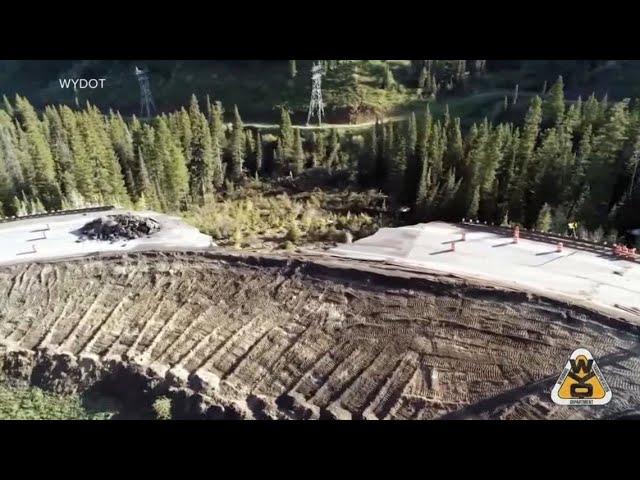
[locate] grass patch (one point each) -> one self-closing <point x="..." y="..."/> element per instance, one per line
<point x="36" y="404"/>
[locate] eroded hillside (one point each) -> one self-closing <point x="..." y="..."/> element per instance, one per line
<point x="271" y="338"/>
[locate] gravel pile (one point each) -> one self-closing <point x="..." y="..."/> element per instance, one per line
<point x="116" y="227"/>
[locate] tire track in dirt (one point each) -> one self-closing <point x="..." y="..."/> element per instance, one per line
<point x="350" y="341"/>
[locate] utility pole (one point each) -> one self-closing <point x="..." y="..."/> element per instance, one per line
<point x="316" y="105"/>
<point x="146" y="100"/>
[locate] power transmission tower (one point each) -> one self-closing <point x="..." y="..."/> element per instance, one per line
<point x="316" y="105"/>
<point x="146" y="100"/>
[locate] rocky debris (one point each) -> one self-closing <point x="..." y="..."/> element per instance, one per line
<point x="116" y="227"/>
<point x="335" y="412"/>
<point x="297" y="406"/>
<point x="178" y="377"/>
<point x="17" y="365"/>
<point x="137" y="386"/>
<point x="203" y="381"/>
<point x="263" y="408"/>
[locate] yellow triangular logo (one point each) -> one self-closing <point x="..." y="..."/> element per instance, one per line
<point x="581" y="382"/>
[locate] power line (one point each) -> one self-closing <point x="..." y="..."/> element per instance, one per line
<point x="316" y="105"/>
<point x="146" y="100"/>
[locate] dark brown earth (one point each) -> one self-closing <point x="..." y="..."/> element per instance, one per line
<point x="283" y="337"/>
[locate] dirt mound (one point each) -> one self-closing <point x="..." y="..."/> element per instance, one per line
<point x="115" y="227"/>
<point x="280" y="338"/>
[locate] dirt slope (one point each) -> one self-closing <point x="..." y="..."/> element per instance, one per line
<point x="339" y="339"/>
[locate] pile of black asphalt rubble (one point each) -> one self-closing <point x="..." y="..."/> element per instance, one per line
<point x="119" y="227"/>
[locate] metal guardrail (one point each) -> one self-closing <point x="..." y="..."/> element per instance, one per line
<point x="103" y="208"/>
<point x="601" y="248"/>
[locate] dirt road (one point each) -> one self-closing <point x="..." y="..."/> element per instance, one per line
<point x="341" y="338"/>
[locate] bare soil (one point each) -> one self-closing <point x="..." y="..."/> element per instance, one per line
<point x="334" y="338"/>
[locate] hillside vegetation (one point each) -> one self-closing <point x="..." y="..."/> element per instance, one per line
<point x="353" y="89"/>
<point x="36" y="404"/>
<point x="564" y="162"/>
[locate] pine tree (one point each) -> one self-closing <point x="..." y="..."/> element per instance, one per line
<point x="543" y="223"/>
<point x="523" y="171"/>
<point x="145" y="188"/>
<point x="397" y="167"/>
<point x="61" y="152"/>
<point x="447" y="194"/>
<point x="218" y="127"/>
<point x="218" y="171"/>
<point x="297" y="166"/>
<point x="412" y="134"/>
<point x="505" y="175"/>
<point x="388" y="82"/>
<point x="286" y="134"/>
<point x="381" y="134"/>
<point x="209" y="110"/>
<point x="44" y="182"/>
<point x="259" y="154"/>
<point x="455" y="148"/>
<point x="446" y="118"/>
<point x="11" y="175"/>
<point x="122" y="143"/>
<point x="279" y="159"/>
<point x="320" y="152"/>
<point x="605" y="166"/>
<point x="492" y="158"/>
<point x="472" y="170"/>
<point x="544" y="172"/>
<point x="422" y="79"/>
<point x="424" y="187"/>
<point x="185" y="133"/>
<point x="436" y="150"/>
<point x="203" y="175"/>
<point x="461" y="67"/>
<point x="412" y="171"/>
<point x="474" y="205"/>
<point x="194" y="111"/>
<point x="237" y="146"/>
<point x="81" y="168"/>
<point x="175" y="180"/>
<point x="553" y="106"/>
<point x="590" y="112"/>
<point x="530" y="130"/>
<point x="6" y="105"/>
<point x="334" y="149"/>
<point x="367" y="158"/>
<point x="249" y="150"/>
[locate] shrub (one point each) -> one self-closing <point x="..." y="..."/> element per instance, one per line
<point x="293" y="233"/>
<point x="162" y="408"/>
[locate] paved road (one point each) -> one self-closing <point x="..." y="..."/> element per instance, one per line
<point x="343" y="126"/>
